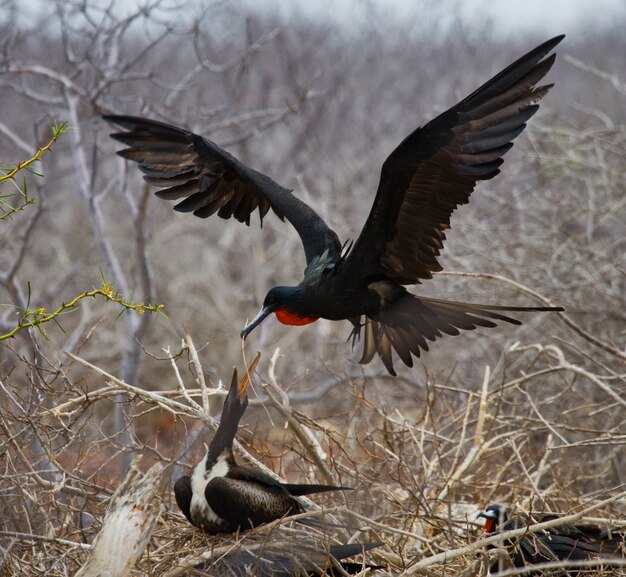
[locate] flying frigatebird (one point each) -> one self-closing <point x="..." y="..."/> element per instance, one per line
<point x="565" y="542"/>
<point x="425" y="178"/>
<point x="221" y="496"/>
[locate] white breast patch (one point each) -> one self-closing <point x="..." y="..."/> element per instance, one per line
<point x="200" y="477"/>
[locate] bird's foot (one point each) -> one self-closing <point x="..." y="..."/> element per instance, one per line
<point x="355" y="334"/>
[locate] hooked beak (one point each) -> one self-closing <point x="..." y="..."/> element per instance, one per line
<point x="257" y="320"/>
<point x="242" y="387"/>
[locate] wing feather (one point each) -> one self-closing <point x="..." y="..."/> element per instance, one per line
<point x="436" y="168"/>
<point x="248" y="504"/>
<point x="210" y="180"/>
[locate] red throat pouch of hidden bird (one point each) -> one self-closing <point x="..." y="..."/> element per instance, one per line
<point x="489" y="525"/>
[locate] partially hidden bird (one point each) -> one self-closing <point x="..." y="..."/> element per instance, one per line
<point x="286" y="559"/>
<point x="429" y="174"/>
<point x="222" y="496"/>
<point x="564" y="542"/>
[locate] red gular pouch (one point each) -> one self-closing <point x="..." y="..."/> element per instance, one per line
<point x="288" y="318"/>
<point x="489" y="526"/>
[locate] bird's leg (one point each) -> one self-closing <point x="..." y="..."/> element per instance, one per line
<point x="355" y="334"/>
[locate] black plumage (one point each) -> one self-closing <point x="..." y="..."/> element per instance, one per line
<point x="431" y="172"/>
<point x="221" y="496"/>
<point x="565" y="542"/>
<point x="285" y="559"/>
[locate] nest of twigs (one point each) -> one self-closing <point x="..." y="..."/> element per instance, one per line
<point x="421" y="463"/>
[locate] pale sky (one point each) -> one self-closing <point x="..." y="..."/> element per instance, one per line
<point x="511" y="17"/>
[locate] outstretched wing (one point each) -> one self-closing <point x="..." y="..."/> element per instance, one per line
<point x="436" y="168"/>
<point x="209" y="179"/>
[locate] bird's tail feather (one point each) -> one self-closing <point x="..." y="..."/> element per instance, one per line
<point x="340" y="552"/>
<point x="302" y="490"/>
<point x="321" y="524"/>
<point x="408" y="324"/>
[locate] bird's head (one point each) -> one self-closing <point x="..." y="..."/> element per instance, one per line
<point x="494" y="515"/>
<point x="234" y="408"/>
<point x="288" y="304"/>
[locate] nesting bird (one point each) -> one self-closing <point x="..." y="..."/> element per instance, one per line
<point x="566" y="542"/>
<point x="284" y="559"/>
<point x="222" y="496"/>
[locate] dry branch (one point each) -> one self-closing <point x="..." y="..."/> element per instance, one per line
<point x="127" y="527"/>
